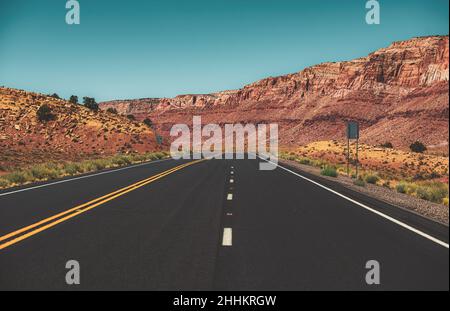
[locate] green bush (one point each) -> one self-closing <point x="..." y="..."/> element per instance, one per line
<point x="44" y="113"/>
<point x="372" y="179"/>
<point x="359" y="182"/>
<point x="304" y="161"/>
<point x="72" y="168"/>
<point x="444" y="201"/>
<point x="401" y="187"/>
<point x="4" y="183"/>
<point x="418" y="147"/>
<point x="19" y="177"/>
<point x="387" y="145"/>
<point x="90" y="103"/>
<point x="433" y="191"/>
<point x="44" y="172"/>
<point x="329" y="171"/>
<point x="148" y="122"/>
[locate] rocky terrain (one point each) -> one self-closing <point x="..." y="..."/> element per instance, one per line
<point x="399" y="94"/>
<point x="76" y="132"/>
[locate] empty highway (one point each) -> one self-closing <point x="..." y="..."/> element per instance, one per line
<point x="212" y="225"/>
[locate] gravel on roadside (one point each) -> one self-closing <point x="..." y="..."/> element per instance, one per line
<point x="436" y="212"/>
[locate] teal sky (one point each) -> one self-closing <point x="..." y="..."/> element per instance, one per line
<point x="162" y="48"/>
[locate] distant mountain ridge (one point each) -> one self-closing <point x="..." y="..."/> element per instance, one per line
<point x="399" y="94"/>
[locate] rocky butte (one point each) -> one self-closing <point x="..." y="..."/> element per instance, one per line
<point x="399" y="94"/>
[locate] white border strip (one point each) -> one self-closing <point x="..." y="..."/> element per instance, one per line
<point x="402" y="224"/>
<point x="82" y="177"/>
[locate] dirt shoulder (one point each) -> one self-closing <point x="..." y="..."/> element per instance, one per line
<point x="433" y="211"/>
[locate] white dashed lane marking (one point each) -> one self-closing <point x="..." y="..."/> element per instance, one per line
<point x="230" y="197"/>
<point x="227" y="237"/>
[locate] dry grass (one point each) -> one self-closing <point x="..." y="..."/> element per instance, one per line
<point x="421" y="176"/>
<point x="52" y="170"/>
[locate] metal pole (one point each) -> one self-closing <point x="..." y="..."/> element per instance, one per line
<point x="357" y="157"/>
<point x="348" y="157"/>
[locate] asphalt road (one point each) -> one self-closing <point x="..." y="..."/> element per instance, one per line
<point x="194" y="229"/>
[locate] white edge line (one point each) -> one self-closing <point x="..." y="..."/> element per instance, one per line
<point x="227" y="239"/>
<point x="402" y="224"/>
<point x="82" y="177"/>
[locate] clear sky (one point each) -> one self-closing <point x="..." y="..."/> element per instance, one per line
<point x="162" y="48"/>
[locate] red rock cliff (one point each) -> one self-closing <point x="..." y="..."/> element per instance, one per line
<point x="399" y="94"/>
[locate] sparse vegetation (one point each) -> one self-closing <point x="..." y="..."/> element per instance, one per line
<point x="148" y="122"/>
<point x="45" y="114"/>
<point x="51" y="170"/>
<point x="422" y="185"/>
<point x="359" y="182"/>
<point x="4" y="183"/>
<point x="372" y="179"/>
<point x="73" y="99"/>
<point x="90" y="103"/>
<point x="54" y="95"/>
<point x="112" y="110"/>
<point x="432" y="191"/>
<point x="418" y="147"/>
<point x="131" y="117"/>
<point x="387" y="145"/>
<point x="329" y="171"/>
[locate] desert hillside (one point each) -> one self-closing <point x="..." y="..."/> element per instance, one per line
<point x="399" y="94"/>
<point x="75" y="132"/>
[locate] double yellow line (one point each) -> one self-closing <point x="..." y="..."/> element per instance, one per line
<point x="28" y="231"/>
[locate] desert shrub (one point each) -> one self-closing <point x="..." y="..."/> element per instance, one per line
<point x="160" y="155"/>
<point x="100" y="164"/>
<point x="73" y="99"/>
<point x="359" y="182"/>
<point x="44" y="172"/>
<point x="112" y="110"/>
<point x="72" y="168"/>
<point x="329" y="171"/>
<point x="304" y="161"/>
<point x="4" y="183"/>
<point x="432" y="191"/>
<point x="411" y="188"/>
<point x="90" y="103"/>
<point x="387" y="184"/>
<point x="401" y="187"/>
<point x="118" y="160"/>
<point x="290" y="157"/>
<point x="131" y="117"/>
<point x="387" y="145"/>
<point x="44" y="113"/>
<point x="19" y="177"/>
<point x="372" y="179"/>
<point x="139" y="157"/>
<point x="418" y="147"/>
<point x="444" y="201"/>
<point x="54" y="95"/>
<point x="148" y="122"/>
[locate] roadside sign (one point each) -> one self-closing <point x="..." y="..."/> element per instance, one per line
<point x="352" y="130"/>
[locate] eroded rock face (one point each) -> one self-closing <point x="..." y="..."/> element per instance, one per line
<point x="398" y="94"/>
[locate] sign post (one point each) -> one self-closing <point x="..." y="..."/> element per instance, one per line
<point x="352" y="133"/>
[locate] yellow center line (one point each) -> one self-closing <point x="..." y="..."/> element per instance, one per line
<point x="82" y="208"/>
<point x="84" y="205"/>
